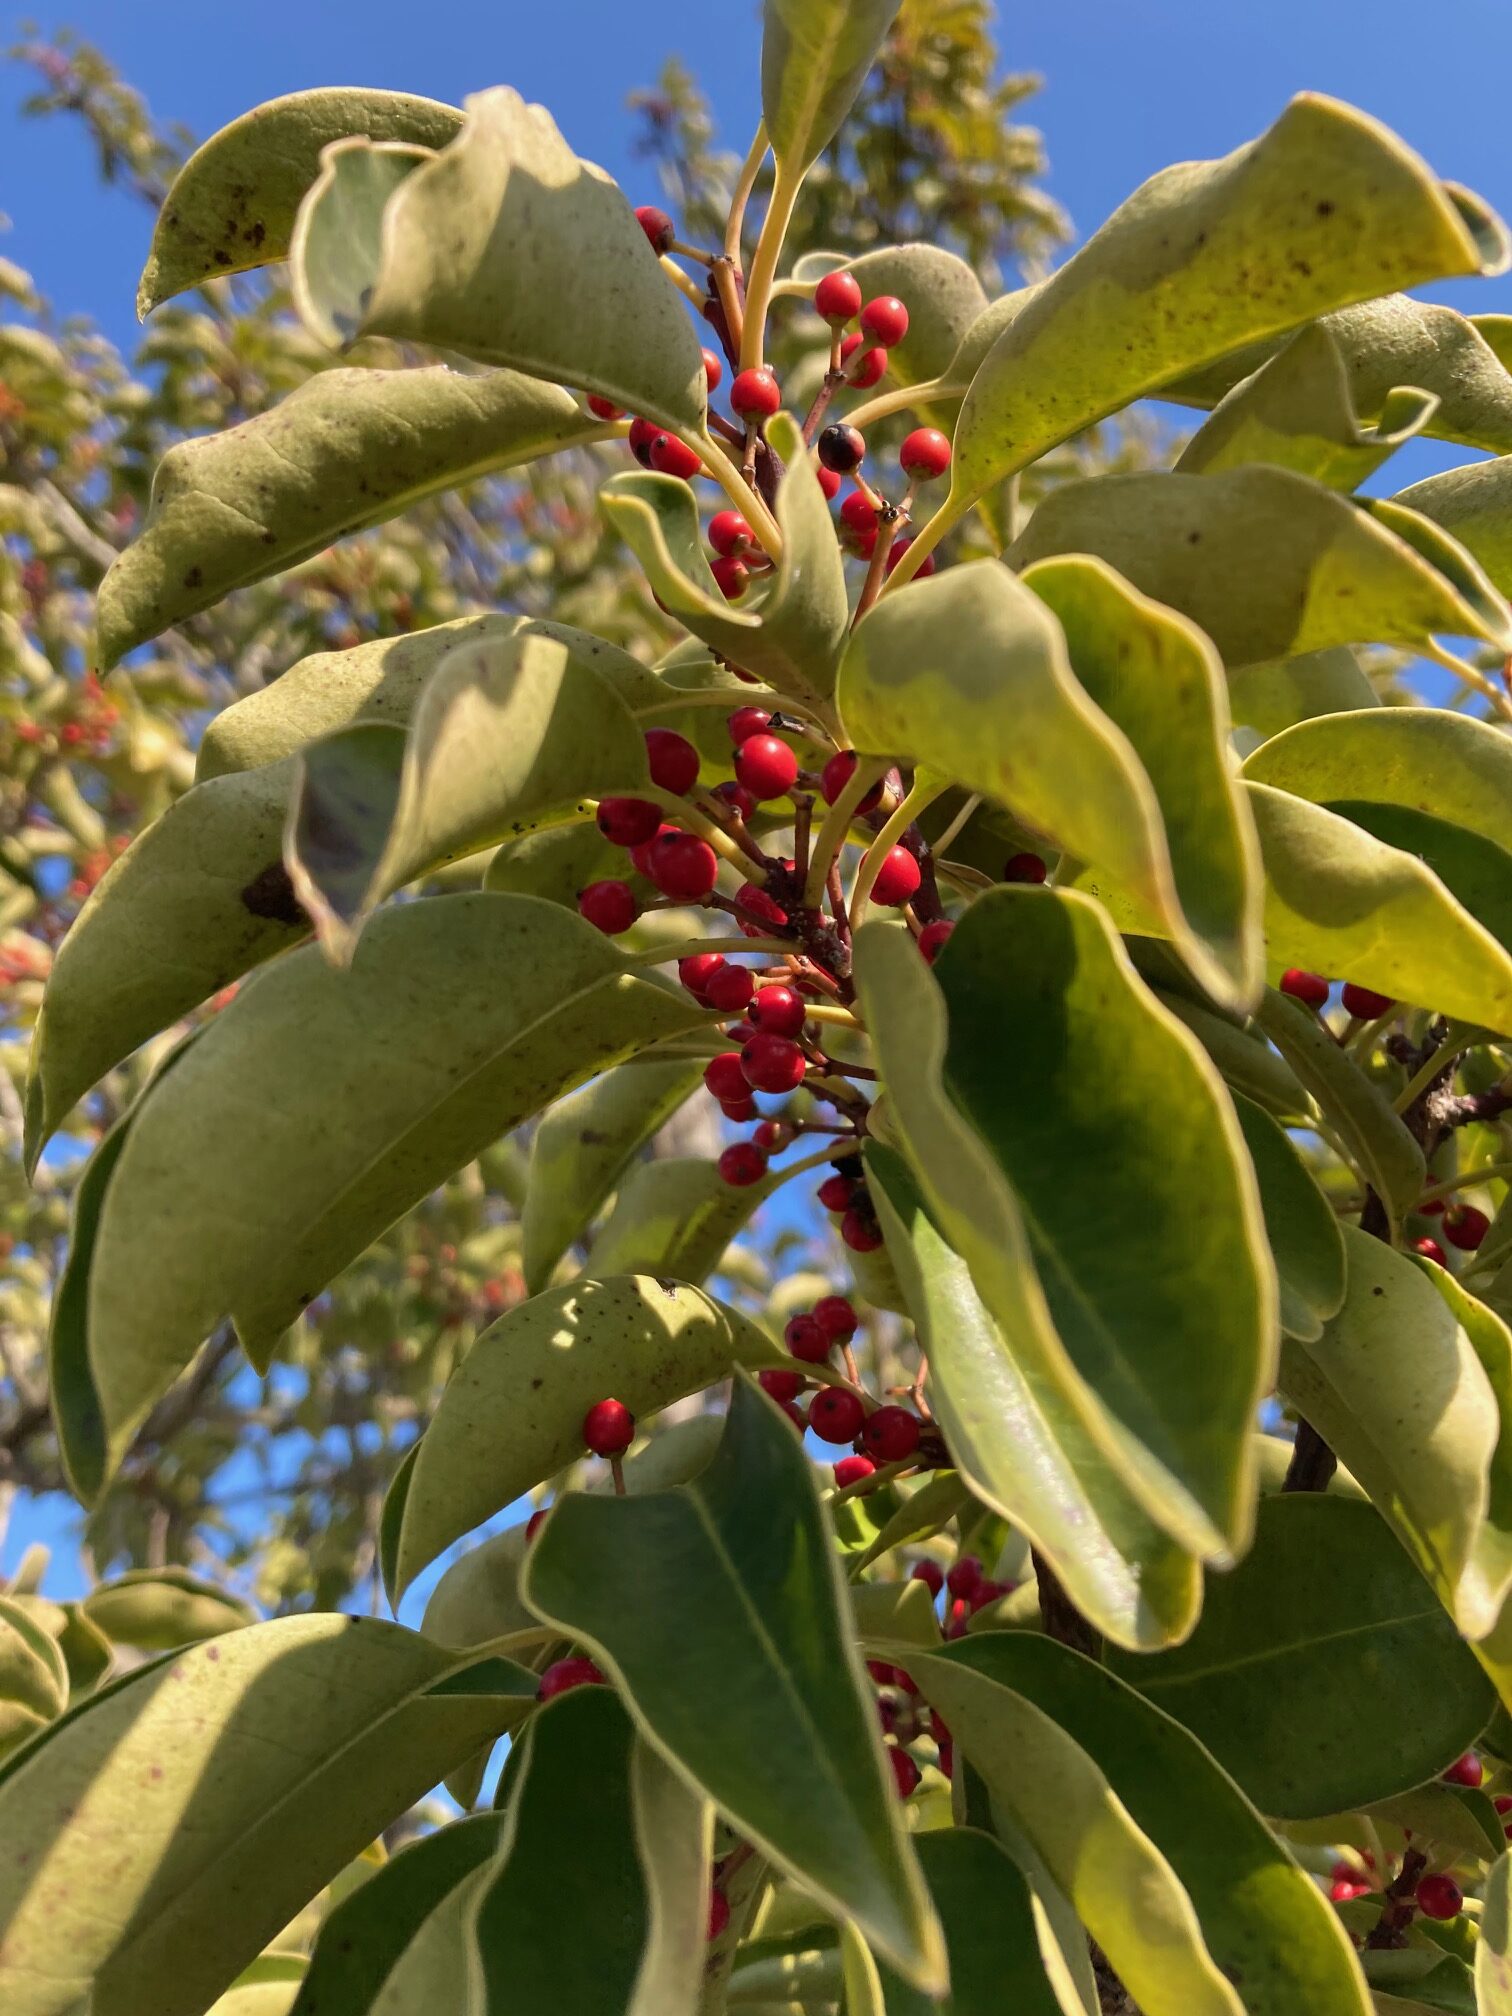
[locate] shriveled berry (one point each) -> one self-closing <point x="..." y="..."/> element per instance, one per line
<point x="604" y="409"/>
<point x="838" y="298"/>
<point x="860" y="1230"/>
<point x="905" y="1772"/>
<point x="682" y="866"/>
<point x="782" y="1385"/>
<point x="925" y="454"/>
<point x="565" y="1674"/>
<point x="609" y="906"/>
<point x="772" y="1063"/>
<point x="742" y="1164"/>
<point x="761" y="908"/>
<point x="657" y="225"/>
<point x="932" y="1575"/>
<point x="766" y="766"/>
<point x="863" y="367"/>
<point x="729" y="533"/>
<point x="698" y="969"/>
<point x="806" y="1339"/>
<point x="835" y="1414"/>
<point x="628" y="822"/>
<point x="608" y="1427"/>
<point x="965" y="1576"/>
<point x="671" y="457"/>
<point x="1466" y="1770"/>
<point x="890" y="1434"/>
<point x="935" y="937"/>
<point x="724" y="1077"/>
<point x="1431" y="1250"/>
<point x="1024" y="868"/>
<point x="642" y="434"/>
<point x="735" y="796"/>
<point x="673" y="760"/>
<point x="829" y="483"/>
<point x="885" y="320"/>
<point x="731" y="577"/>
<point x="713" y="365"/>
<point x="746" y="722"/>
<point x="755" y="395"/>
<point x="1365" y="1003"/>
<point x="1311" y="989"/>
<point x="838" y="772"/>
<point x="835" y="1193"/>
<point x="899" y="547"/>
<point x="898" y="878"/>
<point x="1439" y="1896"/>
<point x="836" y="1318"/>
<point x="719" y="1914"/>
<point x="730" y="989"/>
<point x="841" y="448"/>
<point x="778" y="1010"/>
<point x="852" y="1469"/>
<point x="1465" y="1226"/>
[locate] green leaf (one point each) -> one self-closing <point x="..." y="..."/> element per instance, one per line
<point x="793" y="635"/>
<point x="321" y="1105"/>
<point x="1474" y="505"/>
<point x="1118" y="1779"/>
<point x="159" y="1609"/>
<point x="1159" y="679"/>
<point x="337" y="240"/>
<point x="477" y="1600"/>
<point x="555" y="863"/>
<point x="1386" y="1154"/>
<point x="1268" y="698"/>
<point x="162" y="1835"/>
<point x="1324" y="1674"/>
<point x="1039" y="1159"/>
<point x="362" y="1940"/>
<point x="232" y="204"/>
<point x="969" y="674"/>
<point x="1325" y="208"/>
<point x="33" y="1675"/>
<point x="930" y="1508"/>
<point x="745" y="1551"/>
<point x="512" y="1414"/>
<point x="482" y="252"/>
<point x="1021" y="1444"/>
<point x="346" y="450"/>
<point x="1300" y="1224"/>
<point x="1493" y="1953"/>
<point x="674" y="1837"/>
<point x="1450" y="1816"/>
<point x="344" y="796"/>
<point x="434" y="1971"/>
<point x="582" y="1148"/>
<point x="1245" y="1061"/>
<point x="674" y="1217"/>
<point x="1297" y="412"/>
<point x="814" y="58"/>
<point x="1336" y="571"/>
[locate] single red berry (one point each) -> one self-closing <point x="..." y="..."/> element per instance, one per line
<point x="806" y="1339"/>
<point x="628" y="822"/>
<point x="1024" y="868"/>
<point x="742" y="1164"/>
<point x="851" y="1470"/>
<point x="565" y="1674"/>
<point x="641" y="856"/>
<point x="673" y="760"/>
<point x="829" y="483"/>
<point x="838" y="772"/>
<point x="762" y="908"/>
<point x="988" y="1592"/>
<point x="766" y="766"/>
<point x="965" y="1576"/>
<point x="782" y="1385"/>
<point x="926" y="566"/>
<point x="863" y="368"/>
<point x="740" y="1110"/>
<point x="1344" y="1889"/>
<point x="1502" y="1803"/>
<point x="736" y="797"/>
<point x="719" y="1913"/>
<point x="755" y="395"/>
<point x="860" y="1230"/>
<point x="609" y="906"/>
<point x="642" y="434"/>
<point x="730" y="534"/>
<point x="835" y="1415"/>
<point x="730" y="990"/>
<point x="682" y="866"/>
<point x="724" y="1077"/>
<point x="932" y="1575"/>
<point x="672" y="457"/>
<point x="657" y="225"/>
<point x="1467" y="1770"/>
<point x="731" y="577"/>
<point x="905" y="1772"/>
<point x="841" y="448"/>
<point x="1439" y="1897"/>
<point x="925" y="454"/>
<point x="746" y="722"/>
<point x="1430" y="1207"/>
<point x="898" y="878"/>
<point x="890" y="1434"/>
<point x="885" y="320"/>
<point x="1465" y="1227"/>
<point x="713" y="369"/>
<point x="796" y="1415"/>
<point x="836" y="1192"/>
<point x="1365" y="1003"/>
<point x="604" y="409"/>
<point x="535" y="1522"/>
<point x="698" y="969"/>
<point x="1431" y="1250"/>
<point x="947" y="1759"/>
<point x="778" y="1010"/>
<point x="608" y="1427"/>
<point x="838" y="299"/>
<point x="1311" y="989"/>
<point x="859" y="515"/>
<point x="836" y="1318"/>
<point x="773" y="1136"/>
<point x="772" y="1063"/>
<point x="935" y="937"/>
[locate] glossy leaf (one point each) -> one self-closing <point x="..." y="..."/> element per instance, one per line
<point x="674" y="1216"/>
<point x="1336" y="571"/>
<point x="232" y="205"/>
<point x="582" y="1148"/>
<point x="1114" y="1766"/>
<point x="337" y="238"/>
<point x="157" y="1839"/>
<point x="318" y="1107"/>
<point x="346" y="450"/>
<point x="1057" y="1160"/>
<point x="1268" y="698"/>
<point x="159" y="1609"/>
<point x="745" y="1547"/>
<point x="481" y="252"/>
<point x="1323" y="1674"/>
<point x="1474" y="505"/>
<point x="1021" y="1444"/>
<point x="1300" y="1224"/>
<point x="814" y="58"/>
<point x="512" y="1414"/>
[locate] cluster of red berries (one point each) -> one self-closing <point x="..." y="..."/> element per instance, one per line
<point x="966" y="1585"/>
<point x="680" y="864"/>
<point x="770" y="1058"/>
<point x="845" y="1196"/>
<point x="883" y="325"/>
<point x="1311" y="989"/>
<point x="88" y="730"/>
<point x="905" y="1717"/>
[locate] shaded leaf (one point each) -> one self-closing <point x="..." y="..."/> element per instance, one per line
<point x="674" y="1216"/>
<point x="337" y="238"/>
<point x="344" y="795"/>
<point x="1245" y="1061"/>
<point x="1474" y="505"/>
<point x="674" y="1838"/>
<point x="1493" y="1953"/>
<point x="159" y="1609"/>
<point x="1268" y="698"/>
<point x="1300" y="1224"/>
<point x="814" y="58"/>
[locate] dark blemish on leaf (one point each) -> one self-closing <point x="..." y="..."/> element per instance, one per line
<point x="212" y="1653"/>
<point x="1378" y="1291"/>
<point x="1194" y="538"/>
<point x="255" y="233"/>
<point x="1324" y="208"/>
<point x="536" y="1385"/>
<point x="271" y="895"/>
<point x="591" y="1137"/>
<point x="221" y="258"/>
<point x="195" y="578"/>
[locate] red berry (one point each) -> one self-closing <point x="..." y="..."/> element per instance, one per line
<point x="837" y="773"/>
<point x="835" y="1193"/>
<point x="740" y="1110"/>
<point x="731" y="577"/>
<point x="829" y="483"/>
<point x="763" y="908"/>
<point x="604" y="409"/>
<point x="755" y="395"/>
<point x="891" y="1434"/>
<point x="778" y="1010"/>
<point x="535" y="1522"/>
<point x="838" y="299"/>
<point x="1465" y="1227"/>
<point x="1431" y="1250"/>
<point x="675" y="458"/>
<point x="729" y="533"/>
<point x="724" y="1077"/>
<point x="1467" y="1770"/>
<point x="608" y="1427"/>
<point x="841" y="448"/>
<point x="932" y="1575"/>
<point x="746" y="722"/>
<point x="719" y="1913"/>
<point x="698" y="969"/>
<point x="885" y="320"/>
<point x="657" y="225"/>
<point x="965" y="1576"/>
<point x="935" y="937"/>
<point x="1311" y="989"/>
<point x="629" y="822"/>
<point x="947" y="1759"/>
<point x="1365" y="1003"/>
<point x="795" y="1414"/>
<point x="926" y="566"/>
<point x="851" y="1470"/>
<point x="860" y="1230"/>
<point x="807" y="1339"/>
<point x="772" y="1063"/>
<point x="898" y="878"/>
<point x="905" y="1772"/>
<point x="836" y="1318"/>
<point x="1430" y="1207"/>
<point x="766" y="766"/>
<point x="782" y="1385"/>
<point x="1439" y="1897"/>
<point x="682" y="866"/>
<point x="859" y="515"/>
<point x="772" y="1136"/>
<point x="835" y="1415"/>
<point x="863" y="368"/>
<point x="1502" y="1803"/>
<point x="925" y="454"/>
<point x="742" y="1164"/>
<point x="609" y="906"/>
<point x="641" y="855"/>
<point x="730" y="990"/>
<point x="565" y="1674"/>
<point x="673" y="760"/>
<point x="642" y="434"/>
<point x="736" y="797"/>
<point x="713" y="369"/>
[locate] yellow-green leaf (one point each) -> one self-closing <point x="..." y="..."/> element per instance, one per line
<point x="674" y="1217"/>
<point x="337" y="239"/>
<point x="1474" y="505"/>
<point x="814" y="58"/>
<point x="1300" y="1224"/>
<point x="1493" y="1953"/>
<point x="159" y="1609"/>
<point x="1268" y="698"/>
